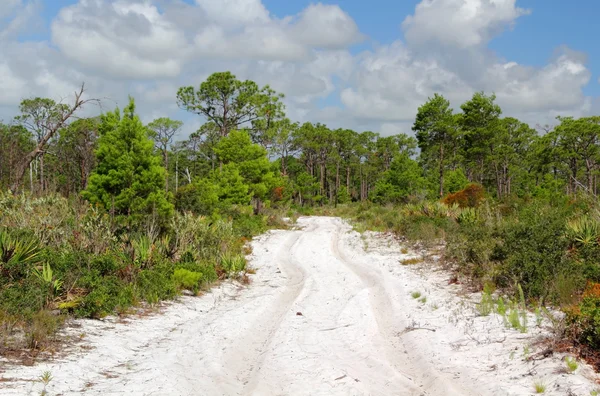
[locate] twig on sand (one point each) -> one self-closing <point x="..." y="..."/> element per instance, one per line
<point x="338" y="327"/>
<point x="413" y="328"/>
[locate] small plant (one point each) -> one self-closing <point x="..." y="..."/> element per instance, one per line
<point x="523" y="326"/>
<point x="526" y="351"/>
<point x="46" y="276"/>
<point x="538" y="317"/>
<point x="513" y="319"/>
<point x="487" y="302"/>
<point x="423" y="300"/>
<point x="45" y="379"/>
<point x="539" y="386"/>
<point x="233" y="264"/>
<point x="500" y="307"/>
<point x="595" y="392"/>
<point x="415" y="294"/>
<point x="404" y="250"/>
<point x="572" y="364"/>
<point x="435" y="307"/>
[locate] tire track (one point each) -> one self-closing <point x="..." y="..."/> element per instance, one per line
<point x="412" y="365"/>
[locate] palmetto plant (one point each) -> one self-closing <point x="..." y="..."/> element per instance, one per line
<point x="584" y="230"/>
<point x="143" y="248"/>
<point x="46" y="276"/>
<point x="233" y="264"/>
<point x="17" y="251"/>
<point x="467" y="216"/>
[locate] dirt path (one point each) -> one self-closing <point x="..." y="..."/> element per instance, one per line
<point x="322" y="317"/>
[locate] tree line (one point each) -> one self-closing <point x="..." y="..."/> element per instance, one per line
<point x="249" y="153"/>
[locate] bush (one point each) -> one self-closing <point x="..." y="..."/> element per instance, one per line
<point x="156" y="284"/>
<point x="532" y="251"/>
<point x="186" y="279"/>
<point x="469" y="197"/>
<point x="249" y="225"/>
<point x="106" y="294"/>
<point x="585" y="318"/>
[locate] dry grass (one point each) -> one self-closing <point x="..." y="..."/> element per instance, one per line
<point x="410" y="261"/>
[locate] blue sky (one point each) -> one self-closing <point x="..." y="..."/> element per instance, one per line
<point x="539" y="64"/>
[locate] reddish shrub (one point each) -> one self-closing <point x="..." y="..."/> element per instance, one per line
<point x="277" y="194"/>
<point x="471" y="196"/>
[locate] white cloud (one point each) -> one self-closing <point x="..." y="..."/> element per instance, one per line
<point x="326" y="26"/>
<point x="460" y="23"/>
<point x="12" y="85"/>
<point x="235" y="12"/>
<point x="120" y="39"/>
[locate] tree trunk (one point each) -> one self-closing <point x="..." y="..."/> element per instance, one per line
<point x="441" y="170"/>
<point x="42" y="181"/>
<point x="348" y="178"/>
<point x="166" y="158"/>
<point x="322" y="167"/>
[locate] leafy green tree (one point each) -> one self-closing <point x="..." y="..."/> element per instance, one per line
<point x="162" y="131"/>
<point x="229" y="102"/>
<point x="480" y="122"/>
<point x="284" y="144"/>
<point x="579" y="141"/>
<point x="436" y="133"/>
<point x="403" y="179"/>
<point x="129" y="179"/>
<point x="511" y="143"/>
<point x="237" y="150"/>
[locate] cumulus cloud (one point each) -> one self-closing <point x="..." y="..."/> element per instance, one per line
<point x="326" y="26"/>
<point x="460" y="23"/>
<point x="120" y="39"/>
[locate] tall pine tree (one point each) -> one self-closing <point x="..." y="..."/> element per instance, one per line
<point x="129" y="179"/>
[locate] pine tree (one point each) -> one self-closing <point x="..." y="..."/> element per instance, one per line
<point x="129" y="179"/>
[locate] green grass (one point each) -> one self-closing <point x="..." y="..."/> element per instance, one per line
<point x="571" y="364"/>
<point x="415" y="294"/>
<point x="539" y="387"/>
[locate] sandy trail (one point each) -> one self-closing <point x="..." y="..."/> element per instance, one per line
<point x="322" y="317"/>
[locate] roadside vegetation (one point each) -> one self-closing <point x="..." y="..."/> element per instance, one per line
<point x="99" y="215"/>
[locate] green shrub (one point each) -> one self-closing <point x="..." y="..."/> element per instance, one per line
<point x="185" y="279"/>
<point x="105" y="295"/>
<point x="532" y="251"/>
<point x="249" y="225"/>
<point x="156" y="284"/>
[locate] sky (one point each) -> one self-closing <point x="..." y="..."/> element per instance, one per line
<point x="365" y="65"/>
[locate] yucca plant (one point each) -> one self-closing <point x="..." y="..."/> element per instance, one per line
<point x="584" y="230"/>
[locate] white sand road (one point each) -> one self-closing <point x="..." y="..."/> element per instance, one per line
<point x="324" y="315"/>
